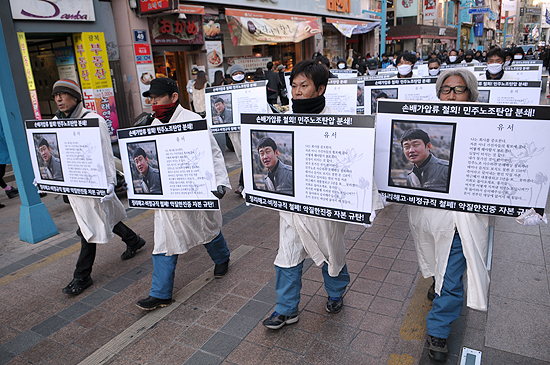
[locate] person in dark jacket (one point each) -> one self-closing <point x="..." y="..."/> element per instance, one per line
<point x="273" y="83"/>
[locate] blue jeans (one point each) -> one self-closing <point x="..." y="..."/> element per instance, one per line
<point x="446" y="307"/>
<point x="164" y="267"/>
<point x="289" y="285"/>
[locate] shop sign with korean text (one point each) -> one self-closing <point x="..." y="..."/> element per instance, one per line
<point x="224" y="104"/>
<point x="171" y="30"/>
<point x="60" y="10"/>
<point x="169" y="166"/>
<point x="95" y="77"/>
<point x="317" y="165"/>
<point x="67" y="157"/>
<point x="478" y="157"/>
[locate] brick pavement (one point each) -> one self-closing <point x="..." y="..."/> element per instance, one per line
<point x="220" y="323"/>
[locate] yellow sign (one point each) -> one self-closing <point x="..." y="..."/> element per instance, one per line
<point x="93" y="64"/>
<point x="26" y="60"/>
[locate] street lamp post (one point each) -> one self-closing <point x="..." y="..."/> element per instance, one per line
<point x="460" y="8"/>
<point x="382" y="15"/>
<point x="506" y="27"/>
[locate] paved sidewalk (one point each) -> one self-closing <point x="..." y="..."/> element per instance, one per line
<point x="219" y="321"/>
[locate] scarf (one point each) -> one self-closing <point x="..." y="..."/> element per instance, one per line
<point x="75" y="113"/>
<point x="308" y="106"/>
<point x="499" y="75"/>
<point x="165" y="112"/>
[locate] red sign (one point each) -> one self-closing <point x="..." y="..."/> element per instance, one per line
<point x="153" y="6"/>
<point x="143" y="53"/>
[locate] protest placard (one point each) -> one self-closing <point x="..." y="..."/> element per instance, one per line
<point x="519" y="69"/>
<point x="415" y="88"/>
<point x="317" y="165"/>
<point x="467" y="157"/>
<point x="509" y="92"/>
<point x="224" y="104"/>
<point x="169" y="166"/>
<point x="67" y="157"/>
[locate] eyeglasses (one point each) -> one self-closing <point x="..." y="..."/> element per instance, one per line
<point x="456" y="89"/>
<point x="61" y="93"/>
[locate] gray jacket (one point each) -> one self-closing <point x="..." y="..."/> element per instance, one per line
<point x="433" y="175"/>
<point x="54" y="168"/>
<point x="151" y="181"/>
<point x="280" y="180"/>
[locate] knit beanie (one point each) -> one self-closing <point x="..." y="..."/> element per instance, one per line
<point x="236" y="67"/>
<point x="68" y="86"/>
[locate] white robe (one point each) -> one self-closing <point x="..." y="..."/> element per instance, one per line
<point x="96" y="219"/>
<point x="433" y="232"/>
<point x="176" y="231"/>
<point x="321" y="239"/>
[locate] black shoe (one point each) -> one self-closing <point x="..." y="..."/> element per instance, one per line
<point x="437" y="348"/>
<point x="131" y="251"/>
<point x="431" y="292"/>
<point x="43" y="195"/>
<point x="334" y="305"/>
<point x="276" y="320"/>
<point x="151" y="303"/>
<point x="12" y="193"/>
<point x="221" y="269"/>
<point x="77" y="286"/>
<point x="2" y="206"/>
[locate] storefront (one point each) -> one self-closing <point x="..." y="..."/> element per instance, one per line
<point x="420" y="37"/>
<point x="83" y="48"/>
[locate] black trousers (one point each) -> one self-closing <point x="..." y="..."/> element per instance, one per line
<point x="88" y="249"/>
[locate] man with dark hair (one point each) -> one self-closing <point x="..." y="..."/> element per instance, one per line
<point x="385" y="62"/>
<point x="177" y="231"/>
<point x="273" y="85"/>
<point x="405" y="64"/>
<point x="429" y="172"/>
<point x="469" y="57"/>
<point x="301" y="235"/>
<point x="453" y="57"/>
<point x="279" y="176"/>
<point x="97" y="218"/>
<point x="495" y="66"/>
<point x="53" y="164"/>
<point x="323" y="60"/>
<point x="150" y="182"/>
<point x="224" y="116"/>
<point x="434" y="66"/>
<point x="372" y="67"/>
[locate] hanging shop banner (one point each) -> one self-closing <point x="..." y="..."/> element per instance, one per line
<point x="171" y="30"/>
<point x="403" y="89"/>
<point x="156" y="6"/>
<point x="59" y="10"/>
<point x="66" y="156"/>
<point x="317" y="165"/>
<point x="509" y="5"/>
<point x="250" y="64"/>
<point x="350" y="27"/>
<point x="406" y="8"/>
<point x="28" y="74"/>
<point x="146" y="74"/>
<point x="66" y="66"/>
<point x="519" y="70"/>
<point x="224" y="104"/>
<point x="430" y="10"/>
<point x="211" y="27"/>
<point x="480" y="158"/>
<point x="509" y="92"/>
<point x="95" y="77"/>
<point x="214" y="55"/>
<point x="169" y="166"/>
<point x="254" y="27"/>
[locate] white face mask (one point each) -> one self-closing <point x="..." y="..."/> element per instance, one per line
<point x="494" y="68"/>
<point x="507" y="63"/>
<point x="518" y="57"/>
<point x="341" y="66"/>
<point x="434" y="72"/>
<point x="238" y="77"/>
<point x="452" y="58"/>
<point x="373" y="72"/>
<point x="404" y="70"/>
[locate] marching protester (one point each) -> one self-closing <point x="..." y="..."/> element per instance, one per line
<point x="97" y="219"/>
<point x="450" y="243"/>
<point x="434" y="66"/>
<point x="177" y="231"/>
<point x="405" y="64"/>
<point x="495" y="66"/>
<point x="300" y="235"/>
<point x="190" y="83"/>
<point x="236" y="73"/>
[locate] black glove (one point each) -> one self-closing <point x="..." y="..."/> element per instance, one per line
<point x="220" y="192"/>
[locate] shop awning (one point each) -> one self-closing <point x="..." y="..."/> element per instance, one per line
<point x="191" y="9"/>
<point x="351" y="27"/>
<point x="256" y="27"/>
